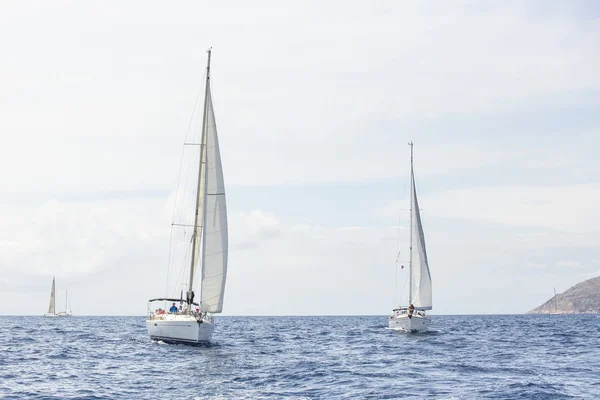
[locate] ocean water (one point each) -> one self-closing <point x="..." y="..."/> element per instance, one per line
<point x="464" y="357"/>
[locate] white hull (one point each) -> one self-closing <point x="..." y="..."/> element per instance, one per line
<point x="179" y="328"/>
<point x="403" y="323"/>
<point x="57" y="315"/>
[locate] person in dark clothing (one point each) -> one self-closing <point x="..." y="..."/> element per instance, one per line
<point x="173" y="308"/>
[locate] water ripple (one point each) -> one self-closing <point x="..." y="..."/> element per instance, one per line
<point x="463" y="357"/>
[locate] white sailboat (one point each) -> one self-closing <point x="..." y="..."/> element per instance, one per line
<point x="413" y="318"/>
<point x="193" y="322"/>
<point x="52" y="307"/>
<point x="555" y="303"/>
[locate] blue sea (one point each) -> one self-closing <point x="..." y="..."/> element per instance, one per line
<point x="463" y="357"/>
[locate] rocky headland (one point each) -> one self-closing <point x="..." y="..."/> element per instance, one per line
<point x="583" y="298"/>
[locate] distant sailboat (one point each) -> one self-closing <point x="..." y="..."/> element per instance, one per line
<point x="412" y="318"/>
<point x="52" y="307"/>
<point x="555" y="303"/>
<point x="194" y="322"/>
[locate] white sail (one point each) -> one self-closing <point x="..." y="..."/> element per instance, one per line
<point x="52" y="307"/>
<point x="421" y="278"/>
<point x="214" y="251"/>
<point x="209" y="247"/>
<point x="197" y="237"/>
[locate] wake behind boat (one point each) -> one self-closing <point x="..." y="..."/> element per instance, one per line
<point x="412" y="318"/>
<point x="188" y="321"/>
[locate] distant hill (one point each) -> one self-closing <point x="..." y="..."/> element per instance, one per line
<point x="583" y="298"/>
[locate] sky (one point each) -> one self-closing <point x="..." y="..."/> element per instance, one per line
<point x="315" y="103"/>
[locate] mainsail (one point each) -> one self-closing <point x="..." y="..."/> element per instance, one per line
<point x="214" y="251"/>
<point x="51" y="307"/>
<point x="210" y="221"/>
<point x="420" y="276"/>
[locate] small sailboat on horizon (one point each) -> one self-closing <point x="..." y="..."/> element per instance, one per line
<point x="555" y="303"/>
<point x="413" y="318"/>
<point x="52" y="306"/>
<point x="193" y="321"/>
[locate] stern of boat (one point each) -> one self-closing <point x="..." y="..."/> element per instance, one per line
<point x="180" y="327"/>
<point x="400" y="320"/>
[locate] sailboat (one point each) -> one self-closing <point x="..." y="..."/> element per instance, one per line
<point x="52" y="306"/>
<point x="555" y="303"/>
<point x="413" y="318"/>
<point x="193" y="321"/>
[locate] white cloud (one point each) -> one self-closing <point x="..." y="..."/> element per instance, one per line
<point x="569" y="264"/>
<point x="95" y="249"/>
<point x="536" y="265"/>
<point x="112" y="257"/>
<point x="313" y="270"/>
<point x="569" y="210"/>
<point x="259" y="223"/>
<point x="309" y="92"/>
<point x="251" y="229"/>
<point x="300" y="96"/>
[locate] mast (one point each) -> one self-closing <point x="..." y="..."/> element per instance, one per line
<point x="201" y="186"/>
<point x="412" y="194"/>
<point x="205" y="177"/>
<point x="66" y="301"/>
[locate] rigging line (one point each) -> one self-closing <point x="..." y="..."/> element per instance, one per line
<point x="404" y="288"/>
<point x="183" y="202"/>
<point x="175" y="252"/>
<point x="172" y="260"/>
<point x="178" y="184"/>
<point x="173" y="264"/>
<point x="186" y="262"/>
<point x="192" y="128"/>
<point x="183" y="147"/>
<point x="169" y="262"/>
<point x="182" y="270"/>
<point x="398" y="240"/>
<point x="193" y="162"/>
<point x="396" y="287"/>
